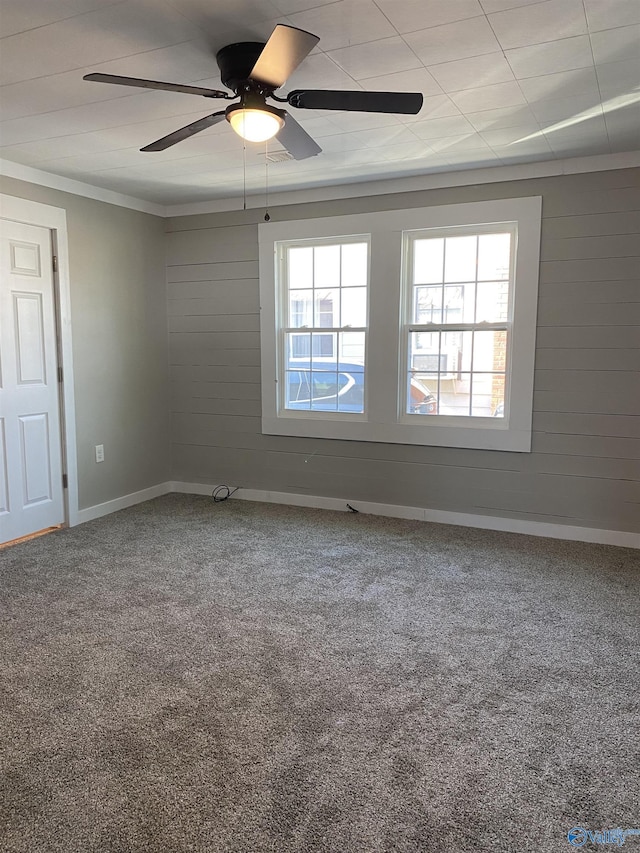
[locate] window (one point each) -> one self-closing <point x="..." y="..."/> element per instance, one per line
<point x="414" y="327"/>
<point x="324" y="285"/>
<point x="457" y="285"/>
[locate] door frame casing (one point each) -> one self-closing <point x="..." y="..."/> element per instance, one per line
<point x="55" y="219"/>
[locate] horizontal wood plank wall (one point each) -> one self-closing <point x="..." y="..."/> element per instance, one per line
<point x="585" y="465"/>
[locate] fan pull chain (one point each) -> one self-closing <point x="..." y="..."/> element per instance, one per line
<point x="266" y="181"/>
<point x="244" y="175"/>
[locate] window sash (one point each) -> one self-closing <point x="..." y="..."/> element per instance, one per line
<point x="440" y="282"/>
<point x="285" y="331"/>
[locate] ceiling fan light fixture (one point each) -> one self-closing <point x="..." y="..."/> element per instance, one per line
<point x="255" y="124"/>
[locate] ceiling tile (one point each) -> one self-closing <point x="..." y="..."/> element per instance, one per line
<point x="415" y="80"/>
<point x="416" y="149"/>
<point x="217" y="17"/>
<point x="605" y="14"/>
<point x="489" y="97"/>
<point x="410" y="15"/>
<point x="511" y="135"/>
<point x="387" y="136"/>
<point x="563" y="109"/>
<point x="553" y="19"/>
<point x="524" y="147"/>
<point x="526" y="152"/>
<point x="500" y="5"/>
<point x="550" y="57"/>
<point x="179" y="63"/>
<point x="616" y="45"/>
<point x="616" y="78"/>
<point x="564" y="140"/>
<point x="376" y="57"/>
<point x="37" y="96"/>
<point x="103" y="114"/>
<point x="92" y="162"/>
<point x="626" y="119"/>
<point x="453" y="41"/>
<point x="502" y="117"/>
<point x="319" y="71"/>
<point x="439" y="127"/>
<point x="468" y="142"/>
<point x="343" y="142"/>
<point x="437" y="106"/>
<point x="563" y="85"/>
<point x="288" y="7"/>
<point x="18" y="16"/>
<point x="473" y="72"/>
<point x="344" y="23"/>
<point x="349" y="122"/>
<point x="109" y="33"/>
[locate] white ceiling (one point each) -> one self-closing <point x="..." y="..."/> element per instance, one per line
<point x="504" y="81"/>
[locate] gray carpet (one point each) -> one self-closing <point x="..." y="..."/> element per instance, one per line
<point x="244" y="678"/>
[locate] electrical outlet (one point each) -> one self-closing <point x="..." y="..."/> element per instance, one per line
<point x="99" y="452"/>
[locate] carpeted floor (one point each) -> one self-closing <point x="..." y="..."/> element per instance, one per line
<point x="244" y="678"/>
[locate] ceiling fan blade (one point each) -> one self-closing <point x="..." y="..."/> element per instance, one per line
<point x="185" y="132"/>
<point x="156" y="84"/>
<point x="296" y="140"/>
<point x="409" y="103"/>
<point x="281" y="55"/>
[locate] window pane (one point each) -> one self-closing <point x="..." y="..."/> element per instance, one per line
<point x="352" y="349"/>
<point x="492" y="303"/>
<point x="300" y="266"/>
<point x="326" y="266"/>
<point x="324" y="390"/>
<point x="460" y="258"/>
<point x="493" y="257"/>
<point x="323" y="349"/>
<point x="300" y="308"/>
<point x="489" y="351"/>
<point x="464" y="343"/>
<point x="327" y="308"/>
<point x="498" y="384"/>
<point x="351" y="391"/>
<point x="297" y="389"/>
<point x="428" y="260"/>
<point x="458" y="303"/>
<point x="354" y="265"/>
<point x="354" y="307"/>
<point x="482" y="394"/>
<point x="437" y="353"/>
<point x="455" y="396"/>
<point x="298" y="346"/>
<point x="427" y="307"/>
<point x="421" y="399"/>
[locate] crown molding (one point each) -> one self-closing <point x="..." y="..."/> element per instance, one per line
<point x="333" y="192"/>
<point x="68" y="185"/>
<point x="413" y="183"/>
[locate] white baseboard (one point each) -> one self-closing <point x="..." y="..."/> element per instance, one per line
<point x="485" y="522"/>
<point x="125" y="501"/>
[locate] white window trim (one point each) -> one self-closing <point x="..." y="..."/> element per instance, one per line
<point x="383" y="422"/>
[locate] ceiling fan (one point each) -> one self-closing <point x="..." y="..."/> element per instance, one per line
<point x="253" y="71"/>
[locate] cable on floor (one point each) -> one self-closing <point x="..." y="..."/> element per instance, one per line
<point x="222" y="493"/>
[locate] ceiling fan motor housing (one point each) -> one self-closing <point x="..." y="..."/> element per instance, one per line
<point x="236" y="62"/>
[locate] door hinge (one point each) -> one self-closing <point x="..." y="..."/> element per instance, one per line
<point x="55" y="263"/>
<point x="65" y="481"/>
<point x="59" y="374"/>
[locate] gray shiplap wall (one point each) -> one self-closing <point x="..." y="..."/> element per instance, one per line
<point x="585" y="465"/>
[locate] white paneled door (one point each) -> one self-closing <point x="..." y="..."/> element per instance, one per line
<point x="31" y="493"/>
